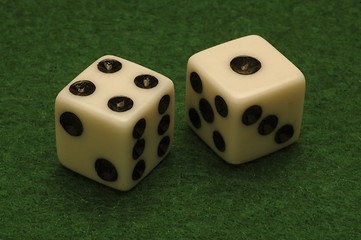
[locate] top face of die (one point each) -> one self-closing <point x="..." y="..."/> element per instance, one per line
<point x="245" y="67"/>
<point x="112" y="85"/>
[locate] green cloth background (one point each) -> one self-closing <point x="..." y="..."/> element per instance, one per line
<point x="310" y="190"/>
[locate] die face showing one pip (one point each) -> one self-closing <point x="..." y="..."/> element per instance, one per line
<point x="114" y="122"/>
<point x="244" y="99"/>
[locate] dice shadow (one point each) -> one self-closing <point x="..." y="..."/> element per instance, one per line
<point x="75" y="180"/>
<point x="77" y="194"/>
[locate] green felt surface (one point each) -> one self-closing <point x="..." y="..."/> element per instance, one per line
<point x="310" y="190"/>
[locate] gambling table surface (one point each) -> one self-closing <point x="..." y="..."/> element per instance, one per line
<point x="309" y="190"/>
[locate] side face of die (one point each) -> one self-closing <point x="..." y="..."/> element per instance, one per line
<point x="244" y="99"/>
<point x="114" y="122"/>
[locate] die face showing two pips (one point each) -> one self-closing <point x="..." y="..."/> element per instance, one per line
<point x="114" y="122"/>
<point x="244" y="99"/>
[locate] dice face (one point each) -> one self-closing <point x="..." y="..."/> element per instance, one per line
<point x="244" y="99"/>
<point x="114" y="122"/>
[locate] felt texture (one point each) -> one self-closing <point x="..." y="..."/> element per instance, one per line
<point x="310" y="190"/>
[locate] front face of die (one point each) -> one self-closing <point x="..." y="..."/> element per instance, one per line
<point x="114" y="122"/>
<point x="244" y="99"/>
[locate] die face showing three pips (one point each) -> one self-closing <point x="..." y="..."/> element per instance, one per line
<point x="109" y="116"/>
<point x="244" y="99"/>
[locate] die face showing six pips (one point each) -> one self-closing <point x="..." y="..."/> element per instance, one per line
<point x="114" y="122"/>
<point x="244" y="99"/>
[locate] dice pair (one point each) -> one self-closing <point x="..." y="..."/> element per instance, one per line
<point x="114" y="122"/>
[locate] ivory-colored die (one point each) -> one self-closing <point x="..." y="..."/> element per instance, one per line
<point x="114" y="122"/>
<point x="244" y="99"/>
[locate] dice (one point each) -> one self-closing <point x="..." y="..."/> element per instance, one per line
<point x="114" y="122"/>
<point x="244" y="99"/>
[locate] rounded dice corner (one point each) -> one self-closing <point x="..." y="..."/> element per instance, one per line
<point x="254" y="37"/>
<point x="234" y="161"/>
<point x="107" y="56"/>
<point x="125" y="188"/>
<point x="118" y="185"/>
<point x="301" y="77"/>
<point x="121" y="186"/>
<point x="171" y="84"/>
<point x="60" y="97"/>
<point x="191" y="59"/>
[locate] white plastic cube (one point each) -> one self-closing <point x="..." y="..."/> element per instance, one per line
<point x="244" y="99"/>
<point x="114" y="122"/>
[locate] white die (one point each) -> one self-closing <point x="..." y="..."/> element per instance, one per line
<point x="114" y="122"/>
<point x="244" y="99"/>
